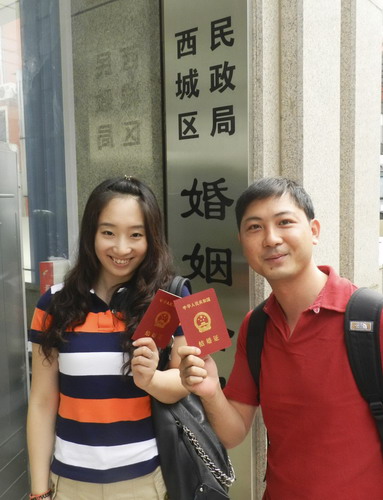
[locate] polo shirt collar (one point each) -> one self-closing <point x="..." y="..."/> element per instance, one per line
<point x="333" y="296"/>
<point x="336" y="292"/>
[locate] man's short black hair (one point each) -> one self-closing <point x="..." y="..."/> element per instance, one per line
<point x="274" y="187"/>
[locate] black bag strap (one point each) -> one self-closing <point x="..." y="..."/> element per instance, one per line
<point x="254" y="342"/>
<point x="175" y="287"/>
<point x="177" y="284"/>
<point x="362" y="325"/>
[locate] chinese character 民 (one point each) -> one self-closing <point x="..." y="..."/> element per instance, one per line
<point x="220" y="31"/>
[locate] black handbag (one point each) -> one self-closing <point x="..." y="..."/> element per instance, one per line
<point x="195" y="465"/>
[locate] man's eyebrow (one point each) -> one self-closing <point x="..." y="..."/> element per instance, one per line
<point x="279" y="214"/>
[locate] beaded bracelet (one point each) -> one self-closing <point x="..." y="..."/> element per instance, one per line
<point x="41" y="496"/>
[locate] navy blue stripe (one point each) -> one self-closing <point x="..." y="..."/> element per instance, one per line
<point x="44" y="300"/>
<point x="113" y="434"/>
<point x="105" y="476"/>
<point x="34" y="336"/>
<point x="92" y="342"/>
<point x="99" y="387"/>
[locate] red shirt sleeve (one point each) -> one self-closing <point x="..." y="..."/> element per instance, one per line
<point x="241" y="386"/>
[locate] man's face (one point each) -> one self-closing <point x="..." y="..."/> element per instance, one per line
<point x="277" y="239"/>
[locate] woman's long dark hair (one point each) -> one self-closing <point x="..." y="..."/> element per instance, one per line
<point x="70" y="306"/>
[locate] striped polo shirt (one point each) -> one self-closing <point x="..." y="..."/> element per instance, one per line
<point x="104" y="430"/>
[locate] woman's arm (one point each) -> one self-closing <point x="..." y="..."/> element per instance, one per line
<point x="41" y="420"/>
<point x="164" y="385"/>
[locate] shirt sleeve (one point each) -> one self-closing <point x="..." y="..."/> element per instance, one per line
<point x="241" y="386"/>
<point x="40" y="319"/>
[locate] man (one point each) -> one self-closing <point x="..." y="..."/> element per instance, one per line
<point x="323" y="443"/>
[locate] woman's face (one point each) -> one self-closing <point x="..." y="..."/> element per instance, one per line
<point x="120" y="242"/>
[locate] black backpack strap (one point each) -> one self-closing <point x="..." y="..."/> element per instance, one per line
<point x="177" y="285"/>
<point x="254" y="343"/>
<point x="362" y="325"/>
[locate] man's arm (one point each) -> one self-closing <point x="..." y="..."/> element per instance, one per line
<point x="230" y="419"/>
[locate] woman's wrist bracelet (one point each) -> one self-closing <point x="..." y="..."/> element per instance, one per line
<point x="41" y="496"/>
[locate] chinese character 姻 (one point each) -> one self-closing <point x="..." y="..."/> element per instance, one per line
<point x="218" y="265"/>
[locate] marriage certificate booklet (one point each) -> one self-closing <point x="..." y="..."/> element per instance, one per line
<point x="202" y="321"/>
<point x="160" y="320"/>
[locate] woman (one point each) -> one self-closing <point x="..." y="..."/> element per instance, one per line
<point x="89" y="402"/>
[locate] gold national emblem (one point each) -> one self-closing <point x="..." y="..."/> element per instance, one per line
<point x="202" y="322"/>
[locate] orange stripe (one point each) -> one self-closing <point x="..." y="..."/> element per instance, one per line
<point x="101" y="322"/>
<point x="39" y="316"/>
<point x="95" y="322"/>
<point x="104" y="411"/>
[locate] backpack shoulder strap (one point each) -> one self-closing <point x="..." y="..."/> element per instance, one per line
<point x="254" y="342"/>
<point x="177" y="285"/>
<point x="362" y="325"/>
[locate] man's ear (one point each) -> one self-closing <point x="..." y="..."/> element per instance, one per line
<point x="315" y="230"/>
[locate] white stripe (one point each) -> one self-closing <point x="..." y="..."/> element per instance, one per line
<point x="104" y="457"/>
<point x="56" y="288"/>
<point x="91" y="363"/>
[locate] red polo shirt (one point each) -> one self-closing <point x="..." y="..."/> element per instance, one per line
<point x="323" y="440"/>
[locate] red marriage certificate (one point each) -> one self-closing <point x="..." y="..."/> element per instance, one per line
<point x="202" y="321"/>
<point x="160" y="319"/>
